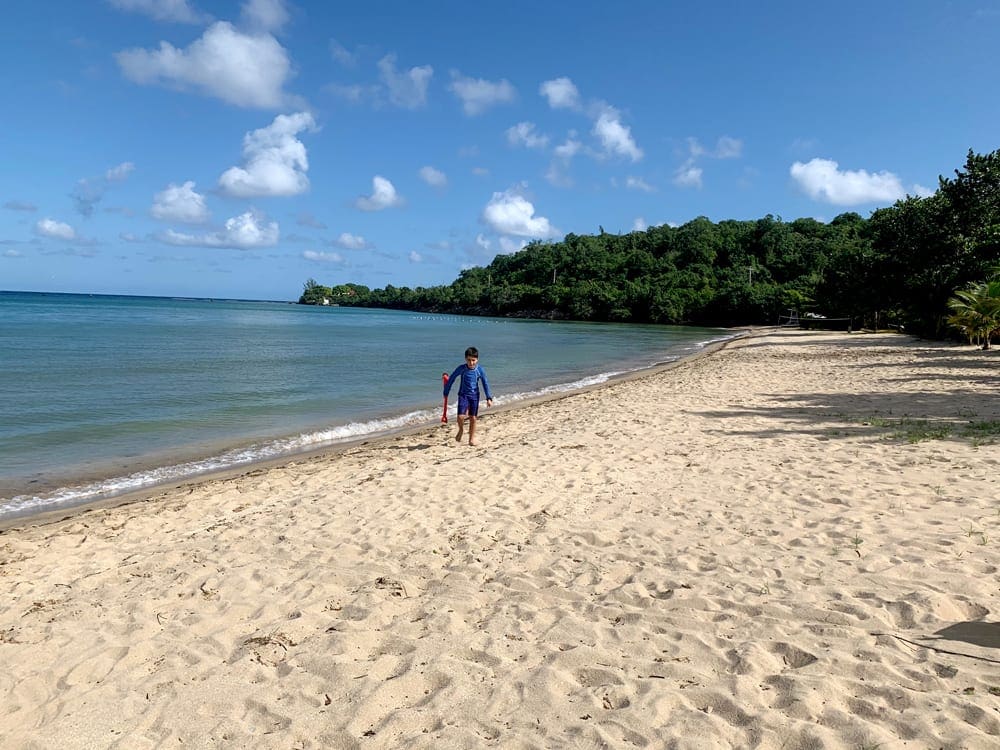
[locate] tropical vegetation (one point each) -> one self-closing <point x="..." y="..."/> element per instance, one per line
<point x="922" y="264"/>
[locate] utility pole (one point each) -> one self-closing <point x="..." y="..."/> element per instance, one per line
<point x="751" y="272"/>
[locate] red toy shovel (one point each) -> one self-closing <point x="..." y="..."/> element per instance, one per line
<point x="444" y="414"/>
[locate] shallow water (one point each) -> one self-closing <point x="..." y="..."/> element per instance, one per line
<point x="106" y="394"/>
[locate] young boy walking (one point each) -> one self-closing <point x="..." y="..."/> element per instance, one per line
<point x="471" y="375"/>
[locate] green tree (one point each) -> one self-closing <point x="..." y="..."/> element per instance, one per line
<point x="314" y="293"/>
<point x="976" y="311"/>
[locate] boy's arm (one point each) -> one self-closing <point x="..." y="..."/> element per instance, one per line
<point x="486" y="384"/>
<point x="456" y="374"/>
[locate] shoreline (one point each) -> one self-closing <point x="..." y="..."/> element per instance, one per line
<point x="737" y="550"/>
<point x="66" y="511"/>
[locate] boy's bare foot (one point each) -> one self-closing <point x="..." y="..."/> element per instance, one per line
<point x="473" y="442"/>
<point x="458" y="437"/>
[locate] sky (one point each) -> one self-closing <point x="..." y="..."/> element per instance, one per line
<point x="209" y="148"/>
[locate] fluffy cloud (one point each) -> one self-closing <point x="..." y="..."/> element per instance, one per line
<point x="180" y="203"/>
<point x="243" y="232"/>
<point x="264" y="15"/>
<point x="508" y="245"/>
<point x="561" y="93"/>
<point x="323" y="257"/>
<point x="433" y="177"/>
<point x="415" y="257"/>
<point x="248" y="70"/>
<point x="511" y="213"/>
<point x="688" y="175"/>
<point x="407" y="89"/>
<point x="56" y="230"/>
<point x="275" y="160"/>
<point x="383" y="196"/>
<point x="350" y="241"/>
<point x="120" y="173"/>
<point x="89" y="191"/>
<point x="728" y="148"/>
<point x="639" y="225"/>
<point x="523" y="134"/>
<point x="562" y="155"/>
<point x="637" y="183"/>
<point x="569" y="149"/>
<point x="615" y="137"/>
<point x="822" y="180"/>
<point x="478" y="95"/>
<point x="178" y="11"/>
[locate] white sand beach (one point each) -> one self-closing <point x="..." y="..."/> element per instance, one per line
<point x="741" y="551"/>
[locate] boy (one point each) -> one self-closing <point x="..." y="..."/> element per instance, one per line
<point x="471" y="374"/>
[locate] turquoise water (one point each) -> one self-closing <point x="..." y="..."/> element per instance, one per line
<point x="103" y="395"/>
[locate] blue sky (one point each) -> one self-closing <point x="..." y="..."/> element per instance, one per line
<point x="235" y="149"/>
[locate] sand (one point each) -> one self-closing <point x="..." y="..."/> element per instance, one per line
<point x="741" y="551"/>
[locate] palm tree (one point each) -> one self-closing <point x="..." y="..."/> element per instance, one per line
<point x="976" y="311"/>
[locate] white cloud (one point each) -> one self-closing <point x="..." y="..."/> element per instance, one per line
<point x="728" y="148"/>
<point x="509" y="245"/>
<point x="265" y="15"/>
<point x="615" y="137"/>
<point x="248" y="70"/>
<point x="162" y="10"/>
<point x="408" y="89"/>
<point x="433" y="177"/>
<point x="415" y="257"/>
<point x="688" y="175"/>
<point x="695" y="148"/>
<point x="483" y="241"/>
<point x="275" y="160"/>
<point x="180" y="203"/>
<point x="56" y="230"/>
<point x="639" y="225"/>
<point x="243" y="232"/>
<point x="822" y="179"/>
<point x="558" y="171"/>
<point x="923" y="192"/>
<point x="383" y="196"/>
<point x="523" y="134"/>
<point x="128" y="237"/>
<point x="89" y="191"/>
<point x="511" y="213"/>
<point x="477" y="95"/>
<point x="480" y="171"/>
<point x="119" y="173"/>
<point x="350" y="241"/>
<point x="12" y="254"/>
<point x="569" y="149"/>
<point x="561" y="93"/>
<point x="323" y="257"/>
<point x="637" y="183"/>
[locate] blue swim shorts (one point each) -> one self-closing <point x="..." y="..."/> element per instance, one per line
<point x="468" y="405"/>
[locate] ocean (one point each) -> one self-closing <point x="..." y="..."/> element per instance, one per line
<point x="103" y="395"/>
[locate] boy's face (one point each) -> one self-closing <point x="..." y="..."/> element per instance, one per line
<point x="471" y="361"/>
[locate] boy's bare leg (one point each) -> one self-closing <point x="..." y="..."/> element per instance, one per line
<point x="472" y="430"/>
<point x="461" y="428"/>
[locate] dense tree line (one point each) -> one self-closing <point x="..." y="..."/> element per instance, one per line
<point x="900" y="267"/>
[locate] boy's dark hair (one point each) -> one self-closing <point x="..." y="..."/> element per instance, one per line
<point x="472" y="352"/>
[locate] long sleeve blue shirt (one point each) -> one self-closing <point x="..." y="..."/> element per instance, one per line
<point x="471" y="378"/>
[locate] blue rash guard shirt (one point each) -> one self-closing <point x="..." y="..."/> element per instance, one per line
<point x="471" y="378"/>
